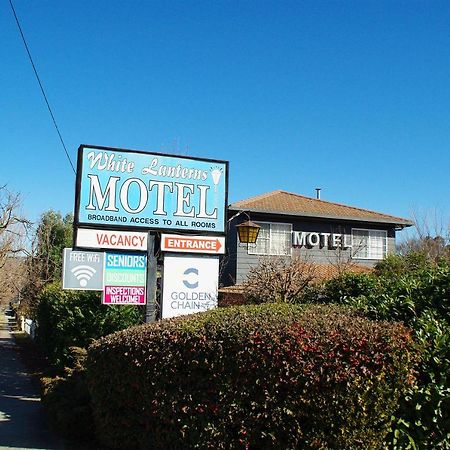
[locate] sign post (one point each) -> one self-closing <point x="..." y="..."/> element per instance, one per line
<point x="150" y="309"/>
<point x="124" y="197"/>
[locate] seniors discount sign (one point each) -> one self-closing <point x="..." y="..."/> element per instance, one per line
<point x="128" y="189"/>
<point x="124" y="279"/>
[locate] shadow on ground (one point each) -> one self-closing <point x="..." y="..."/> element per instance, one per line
<point x="22" y="421"/>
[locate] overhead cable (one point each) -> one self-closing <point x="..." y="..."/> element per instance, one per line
<point x="42" y="87"/>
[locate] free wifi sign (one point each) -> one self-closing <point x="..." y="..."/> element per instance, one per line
<point x="83" y="270"/>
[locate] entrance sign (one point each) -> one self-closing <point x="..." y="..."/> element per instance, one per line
<point x="124" y="279"/>
<point x="193" y="244"/>
<point x="108" y="239"/>
<point x="133" y="189"/>
<point x="83" y="270"/>
<point x="190" y="284"/>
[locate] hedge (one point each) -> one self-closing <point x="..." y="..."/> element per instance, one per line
<point x="67" y="401"/>
<point x="250" y="377"/>
<point x="68" y="318"/>
<point x="415" y="291"/>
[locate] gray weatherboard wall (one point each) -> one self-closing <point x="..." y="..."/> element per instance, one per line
<point x="237" y="262"/>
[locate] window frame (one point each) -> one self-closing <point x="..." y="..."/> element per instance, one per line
<point x="369" y="253"/>
<point x="253" y="251"/>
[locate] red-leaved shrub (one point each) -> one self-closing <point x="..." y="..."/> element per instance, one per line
<point x="250" y="377"/>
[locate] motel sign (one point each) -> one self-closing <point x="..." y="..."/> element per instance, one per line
<point x="131" y="189"/>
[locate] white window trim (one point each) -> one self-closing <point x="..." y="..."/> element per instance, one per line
<point x="369" y="257"/>
<point x="252" y="251"/>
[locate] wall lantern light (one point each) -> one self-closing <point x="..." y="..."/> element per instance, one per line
<point x="248" y="232"/>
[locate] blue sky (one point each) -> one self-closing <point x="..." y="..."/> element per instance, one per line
<point x="350" y="96"/>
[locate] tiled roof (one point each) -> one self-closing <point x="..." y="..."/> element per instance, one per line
<point x="327" y="271"/>
<point x="286" y="203"/>
<point x="321" y="272"/>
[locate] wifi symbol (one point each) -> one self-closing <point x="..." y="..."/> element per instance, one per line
<point x="83" y="274"/>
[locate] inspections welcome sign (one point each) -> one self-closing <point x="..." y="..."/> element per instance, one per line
<point x="125" y="188"/>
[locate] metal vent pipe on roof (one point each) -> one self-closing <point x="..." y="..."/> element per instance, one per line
<point x="318" y="193"/>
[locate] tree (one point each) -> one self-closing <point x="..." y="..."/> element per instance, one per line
<point x="431" y="236"/>
<point x="54" y="233"/>
<point x="44" y="265"/>
<point x="277" y="279"/>
<point x="12" y="279"/>
<point x="13" y="226"/>
<point x="13" y="231"/>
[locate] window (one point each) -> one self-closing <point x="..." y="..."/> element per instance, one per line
<point x="273" y="239"/>
<point x="369" y="244"/>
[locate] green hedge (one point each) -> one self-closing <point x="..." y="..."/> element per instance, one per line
<point x="66" y="400"/>
<point x="415" y="291"/>
<point x="74" y="318"/>
<point x="253" y="377"/>
<point x="347" y="286"/>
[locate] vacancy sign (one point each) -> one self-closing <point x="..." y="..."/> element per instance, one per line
<point x="190" y="284"/>
<point x="193" y="244"/>
<point x="108" y="239"/>
<point x="125" y="279"/>
<point x="83" y="270"/>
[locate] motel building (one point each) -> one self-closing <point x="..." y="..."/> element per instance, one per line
<point x="331" y="235"/>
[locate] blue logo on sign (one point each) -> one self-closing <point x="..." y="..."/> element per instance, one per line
<point x="188" y="272"/>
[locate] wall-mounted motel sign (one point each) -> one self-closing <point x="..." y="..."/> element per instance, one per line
<point x="128" y="189"/>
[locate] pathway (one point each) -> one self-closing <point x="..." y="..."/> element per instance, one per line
<point x="22" y="421"/>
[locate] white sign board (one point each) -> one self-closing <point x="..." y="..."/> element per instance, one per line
<point x="83" y="270"/>
<point x="193" y="244"/>
<point x="109" y="239"/>
<point x="190" y="284"/>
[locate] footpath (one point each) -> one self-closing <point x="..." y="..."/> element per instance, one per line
<point x="22" y="421"/>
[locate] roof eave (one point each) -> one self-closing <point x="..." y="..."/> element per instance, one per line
<point x="399" y="223"/>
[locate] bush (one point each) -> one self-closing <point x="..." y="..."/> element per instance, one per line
<point x="415" y="291"/>
<point x="67" y="401"/>
<point x="394" y="265"/>
<point x="250" y="377"/>
<point x="74" y="318"/>
<point x="277" y="279"/>
<point x="423" y="419"/>
<point x="406" y="297"/>
<point x="349" y="285"/>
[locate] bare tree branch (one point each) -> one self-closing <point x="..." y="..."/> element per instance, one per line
<point x="13" y="231"/>
<point x="277" y="279"/>
<point x="430" y="236"/>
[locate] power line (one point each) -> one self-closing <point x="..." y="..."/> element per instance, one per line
<point x="42" y="87"/>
